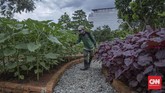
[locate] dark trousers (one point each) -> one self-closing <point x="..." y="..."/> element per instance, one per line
<point x="88" y="55"/>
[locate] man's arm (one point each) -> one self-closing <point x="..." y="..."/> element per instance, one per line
<point x="79" y="39"/>
<point x="92" y="38"/>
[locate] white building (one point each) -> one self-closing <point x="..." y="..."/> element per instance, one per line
<point x="104" y="16"/>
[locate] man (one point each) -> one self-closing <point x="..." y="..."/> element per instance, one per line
<point x="89" y="45"/>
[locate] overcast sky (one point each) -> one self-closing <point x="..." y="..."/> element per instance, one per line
<point x="53" y="9"/>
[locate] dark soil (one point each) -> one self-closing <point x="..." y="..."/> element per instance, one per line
<point x="31" y="78"/>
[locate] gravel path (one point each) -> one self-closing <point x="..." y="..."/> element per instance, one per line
<point x="90" y="81"/>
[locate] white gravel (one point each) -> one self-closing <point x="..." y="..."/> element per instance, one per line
<point x="90" y="81"/>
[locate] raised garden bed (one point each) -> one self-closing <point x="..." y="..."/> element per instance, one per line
<point x="119" y="86"/>
<point x="133" y="59"/>
<point x="45" y="85"/>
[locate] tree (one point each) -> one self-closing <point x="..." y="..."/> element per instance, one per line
<point x="123" y="26"/>
<point x="138" y="13"/>
<point x="65" y="21"/>
<point x="79" y="18"/>
<point x="103" y="33"/>
<point x="9" y="7"/>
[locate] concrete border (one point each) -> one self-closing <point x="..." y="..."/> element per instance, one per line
<point x="119" y="86"/>
<point x="7" y="87"/>
<point x="54" y="80"/>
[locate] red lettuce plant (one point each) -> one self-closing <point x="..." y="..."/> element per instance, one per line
<point x="133" y="59"/>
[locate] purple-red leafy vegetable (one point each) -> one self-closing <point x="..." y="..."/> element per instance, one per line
<point x="133" y="59"/>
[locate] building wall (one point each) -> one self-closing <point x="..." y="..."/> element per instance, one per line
<point x="101" y="17"/>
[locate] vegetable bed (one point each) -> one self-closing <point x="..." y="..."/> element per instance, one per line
<point x="32" y="51"/>
<point x="32" y="47"/>
<point x="132" y="60"/>
<point x="47" y="81"/>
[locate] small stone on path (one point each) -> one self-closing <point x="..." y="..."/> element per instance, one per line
<point x="90" y="81"/>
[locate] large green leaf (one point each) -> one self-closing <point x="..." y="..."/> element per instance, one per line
<point x="53" y="39"/>
<point x="30" y="58"/>
<point x="24" y="67"/>
<point x="9" y="52"/>
<point x="4" y="39"/>
<point x="19" y="26"/>
<point x="51" y="55"/>
<point x="32" y="46"/>
<point x="21" y="77"/>
<point x="63" y="47"/>
<point x="55" y="62"/>
<point x="37" y="71"/>
<point x="1" y="68"/>
<point x="31" y="67"/>
<point x="2" y="35"/>
<point x="10" y="26"/>
<point x="16" y="73"/>
<point x="1" y="53"/>
<point x="11" y="66"/>
<point x="21" y="46"/>
<point x="44" y="65"/>
<point x="25" y="31"/>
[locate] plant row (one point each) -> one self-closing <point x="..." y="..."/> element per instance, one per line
<point x="135" y="58"/>
<point x="33" y="46"/>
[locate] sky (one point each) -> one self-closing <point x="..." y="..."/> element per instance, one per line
<point x="53" y="9"/>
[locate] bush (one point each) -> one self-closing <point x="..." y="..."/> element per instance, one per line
<point x="105" y="34"/>
<point x="133" y="59"/>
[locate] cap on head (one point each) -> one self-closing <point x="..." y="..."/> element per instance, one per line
<point x="81" y="27"/>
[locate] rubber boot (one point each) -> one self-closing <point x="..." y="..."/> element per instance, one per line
<point x="85" y="65"/>
<point x="89" y="63"/>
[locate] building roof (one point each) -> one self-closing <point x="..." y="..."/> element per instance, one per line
<point x="103" y="8"/>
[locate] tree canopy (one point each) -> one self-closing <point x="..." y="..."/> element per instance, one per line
<point x="103" y="33"/>
<point x="65" y="21"/>
<point x="9" y="7"/>
<point x="138" y="13"/>
<point x="79" y="18"/>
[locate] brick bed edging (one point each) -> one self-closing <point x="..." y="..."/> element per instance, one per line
<point x="22" y="88"/>
<point x="119" y="86"/>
